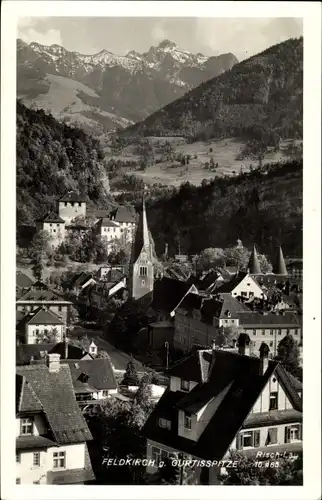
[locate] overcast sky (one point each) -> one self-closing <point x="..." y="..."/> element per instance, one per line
<point x="210" y="36"/>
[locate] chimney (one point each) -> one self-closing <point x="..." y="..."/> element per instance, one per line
<point x="53" y="362"/>
<point x="243" y="344"/>
<point x="263" y="358"/>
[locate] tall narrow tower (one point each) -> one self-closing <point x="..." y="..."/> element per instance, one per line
<point x="141" y="264"/>
<point x="253" y="264"/>
<point x="279" y="265"/>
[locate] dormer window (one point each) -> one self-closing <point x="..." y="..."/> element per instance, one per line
<point x="27" y="426"/>
<point x="187" y="422"/>
<point x="165" y="424"/>
<point x="184" y="385"/>
<point x="228" y="314"/>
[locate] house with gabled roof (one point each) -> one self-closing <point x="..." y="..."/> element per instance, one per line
<point x="23" y="283"/>
<point x="42" y="296"/>
<point x="51" y="432"/>
<point x="242" y="285"/>
<point x="219" y="401"/>
<point x="54" y="225"/>
<point x="43" y="324"/>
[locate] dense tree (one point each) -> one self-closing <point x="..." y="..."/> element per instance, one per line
<point x="288" y="354"/>
<point x="130" y="377"/>
<point x="289" y="471"/>
<point x="53" y="158"/>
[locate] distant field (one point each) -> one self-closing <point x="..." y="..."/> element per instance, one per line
<point x="223" y="152"/>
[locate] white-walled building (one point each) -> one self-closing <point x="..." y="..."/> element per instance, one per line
<point x="54" y="226"/>
<point x="43" y="324"/>
<point x="72" y="205"/>
<point x="220" y="401"/>
<point x="51" y="433"/>
<point x="242" y="285"/>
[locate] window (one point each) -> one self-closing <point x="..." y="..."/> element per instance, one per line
<point x="184" y="385"/>
<point x="271" y="436"/>
<point x="57" y="225"/>
<point x="59" y="459"/>
<point x="287" y="331"/>
<point x="279" y="332"/>
<point x="233" y="321"/>
<point x="79" y="204"/>
<point x="143" y="283"/>
<point x="83" y="397"/>
<point x="143" y="271"/>
<point x="156" y="455"/>
<point x="248" y="439"/>
<point x="18" y="458"/>
<point x="36" y="459"/>
<point x="165" y="424"/>
<point x="18" y="481"/>
<point x="226" y="320"/>
<point x="273" y="401"/>
<point x="251" y="294"/>
<point x="26" y="426"/>
<point x="271" y="343"/>
<point x="243" y="294"/>
<point x="272" y="332"/>
<point x="45" y="331"/>
<point x="59" y="308"/>
<point x="50" y="225"/>
<point x="254" y="332"/>
<point x="104" y="393"/>
<point x="293" y="433"/>
<point x="65" y="203"/>
<point x="187" y="422"/>
<point x="72" y="203"/>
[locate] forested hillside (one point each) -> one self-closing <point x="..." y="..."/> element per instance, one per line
<point x="263" y="207"/>
<point x="53" y="158"/>
<point x="258" y="97"/>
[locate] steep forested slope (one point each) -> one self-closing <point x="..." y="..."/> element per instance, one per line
<point x="51" y="159"/>
<point x="257" y="96"/>
<point x="262" y="207"/>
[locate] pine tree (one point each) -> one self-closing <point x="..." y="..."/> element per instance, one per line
<point x="130" y="376"/>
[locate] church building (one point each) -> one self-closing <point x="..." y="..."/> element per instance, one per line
<point x="141" y="265"/>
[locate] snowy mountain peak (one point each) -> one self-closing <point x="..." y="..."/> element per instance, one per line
<point x="167" y="44"/>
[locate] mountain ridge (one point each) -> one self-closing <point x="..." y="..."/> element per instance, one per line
<point x="131" y="86"/>
<point x="265" y="90"/>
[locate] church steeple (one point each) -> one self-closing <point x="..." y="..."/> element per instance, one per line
<point x="253" y="264"/>
<point x="279" y="265"/>
<point x="141" y="264"/>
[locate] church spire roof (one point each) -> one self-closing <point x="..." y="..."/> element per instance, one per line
<point x="142" y="237"/>
<point x="279" y="265"/>
<point x="253" y="264"/>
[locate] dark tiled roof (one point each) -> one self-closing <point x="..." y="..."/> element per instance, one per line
<point x="56" y="394"/>
<point x="279" y="264"/>
<point x="26" y="399"/>
<point x="28" y="442"/>
<point x="42" y="317"/>
<point x="73" y="196"/>
<point x="105" y="222"/>
<point x="291" y="388"/>
<point x="82" y="278"/>
<point x="41" y="295"/>
<point x="123" y="214"/>
<point x="99" y="371"/>
<point x="193" y="367"/>
<point x="272" y="418"/>
<point x="254" y="319"/>
<point x="24" y="352"/>
<point x="53" y="217"/>
<point x="22" y="280"/>
<point x="168" y="293"/>
<point x="253" y="264"/>
<point x="74" y="352"/>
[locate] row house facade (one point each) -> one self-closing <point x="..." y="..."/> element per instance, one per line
<point x="199" y="319"/>
<point x="219" y="402"/>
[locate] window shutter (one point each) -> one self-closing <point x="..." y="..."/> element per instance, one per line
<point x="256" y="438"/>
<point x="239" y="441"/>
<point x="268" y="438"/>
<point x="286" y="435"/>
